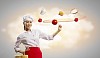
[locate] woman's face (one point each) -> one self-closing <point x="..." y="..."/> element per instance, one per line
<point x="27" y="24"/>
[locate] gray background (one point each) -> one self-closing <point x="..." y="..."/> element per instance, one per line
<point x="11" y="9"/>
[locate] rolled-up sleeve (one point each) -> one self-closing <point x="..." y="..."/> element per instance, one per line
<point x="18" y="42"/>
<point x="45" y="36"/>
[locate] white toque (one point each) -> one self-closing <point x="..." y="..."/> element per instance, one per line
<point x="27" y="17"/>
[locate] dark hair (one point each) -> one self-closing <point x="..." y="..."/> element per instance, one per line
<point x="24" y="27"/>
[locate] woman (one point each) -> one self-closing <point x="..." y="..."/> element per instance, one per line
<point x="30" y="38"/>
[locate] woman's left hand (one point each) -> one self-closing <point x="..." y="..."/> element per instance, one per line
<point x="59" y="27"/>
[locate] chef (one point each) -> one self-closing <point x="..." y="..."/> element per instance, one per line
<point x="30" y="38"/>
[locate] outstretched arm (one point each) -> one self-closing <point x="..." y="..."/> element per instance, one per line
<point x="59" y="29"/>
<point x="49" y="37"/>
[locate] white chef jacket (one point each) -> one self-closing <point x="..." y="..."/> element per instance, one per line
<point x="31" y="38"/>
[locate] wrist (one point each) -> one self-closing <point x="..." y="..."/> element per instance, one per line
<point x="58" y="30"/>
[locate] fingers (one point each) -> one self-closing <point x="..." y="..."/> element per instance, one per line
<point x="16" y="51"/>
<point x="22" y="52"/>
<point x="60" y="26"/>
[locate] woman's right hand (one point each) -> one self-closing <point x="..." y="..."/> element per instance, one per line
<point x="20" y="51"/>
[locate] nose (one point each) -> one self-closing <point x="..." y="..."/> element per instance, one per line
<point x="29" y="24"/>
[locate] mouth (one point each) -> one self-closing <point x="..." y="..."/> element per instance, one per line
<point x="28" y="26"/>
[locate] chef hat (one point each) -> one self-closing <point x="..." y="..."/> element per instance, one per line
<point x="27" y="17"/>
